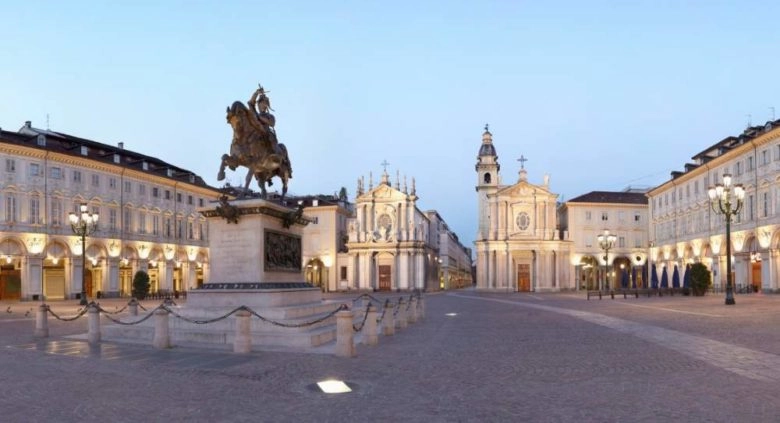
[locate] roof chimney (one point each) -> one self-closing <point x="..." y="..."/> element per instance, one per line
<point x="28" y="123"/>
<point x="121" y="145"/>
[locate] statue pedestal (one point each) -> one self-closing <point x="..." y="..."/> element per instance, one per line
<point x="254" y="262"/>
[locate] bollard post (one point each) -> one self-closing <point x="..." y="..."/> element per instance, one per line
<point x="400" y="322"/>
<point x="412" y="317"/>
<point x="371" y="335"/>
<point x="133" y="306"/>
<point x="421" y="311"/>
<point x="345" y="345"/>
<point x="93" y="324"/>
<point x="42" y="322"/>
<point x="242" y="343"/>
<point x="388" y="326"/>
<point x="162" y="338"/>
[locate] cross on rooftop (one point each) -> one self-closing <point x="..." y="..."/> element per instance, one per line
<point x="522" y="161"/>
<point x="384" y="164"/>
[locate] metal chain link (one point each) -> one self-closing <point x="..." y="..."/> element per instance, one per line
<point x="200" y="322"/>
<point x="409" y="303"/>
<point x="384" y="310"/>
<point x="67" y="319"/>
<point x="143" y="319"/>
<point x="369" y="296"/>
<point x="299" y="325"/>
<point x="397" y="307"/>
<point x="363" y="323"/>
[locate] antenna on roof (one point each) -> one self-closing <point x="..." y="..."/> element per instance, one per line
<point x="749" y="122"/>
<point x="47" y="121"/>
<point x="772" y="108"/>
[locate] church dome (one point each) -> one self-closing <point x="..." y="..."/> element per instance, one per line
<point x="487" y="148"/>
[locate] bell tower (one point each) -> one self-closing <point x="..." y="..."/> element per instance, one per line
<point x="487" y="168"/>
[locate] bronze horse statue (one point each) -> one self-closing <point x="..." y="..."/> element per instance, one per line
<point x="255" y="147"/>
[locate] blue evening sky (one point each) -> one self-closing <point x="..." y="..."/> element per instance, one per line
<point x="599" y="94"/>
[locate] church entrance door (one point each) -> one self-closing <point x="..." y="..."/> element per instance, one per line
<point x="384" y="278"/>
<point x="524" y="277"/>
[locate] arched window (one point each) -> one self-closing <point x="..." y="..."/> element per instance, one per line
<point x="487" y="178"/>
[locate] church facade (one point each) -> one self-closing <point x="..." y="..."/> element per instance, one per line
<point x="519" y="245"/>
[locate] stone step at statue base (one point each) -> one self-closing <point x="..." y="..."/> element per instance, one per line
<point x="220" y="334"/>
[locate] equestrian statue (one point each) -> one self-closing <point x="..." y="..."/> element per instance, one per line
<point x="254" y="144"/>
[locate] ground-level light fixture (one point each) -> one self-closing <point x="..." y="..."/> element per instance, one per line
<point x="334" y="387"/>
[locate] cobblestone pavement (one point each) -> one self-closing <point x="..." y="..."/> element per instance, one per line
<point x="501" y="357"/>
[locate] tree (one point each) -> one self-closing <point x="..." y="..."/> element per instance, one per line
<point x="701" y="279"/>
<point x="140" y="285"/>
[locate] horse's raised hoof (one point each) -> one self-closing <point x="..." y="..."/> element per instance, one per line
<point x="221" y="175"/>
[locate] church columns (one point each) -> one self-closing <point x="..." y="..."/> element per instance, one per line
<point x="32" y="276"/>
<point x="769" y="271"/>
<point x="403" y="270"/>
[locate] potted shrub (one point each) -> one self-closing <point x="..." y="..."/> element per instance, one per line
<point x="701" y="279"/>
<point x="140" y="285"/>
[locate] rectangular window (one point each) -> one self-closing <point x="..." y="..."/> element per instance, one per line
<point x="696" y="187"/>
<point x="688" y="191"/>
<point x="141" y="222"/>
<point x="178" y="197"/>
<point x="764" y="157"/>
<point x="637" y="217"/>
<point x="56" y="212"/>
<point x="112" y="183"/>
<point x="155" y="225"/>
<point x="343" y="273"/>
<point x="766" y="204"/>
<point x="604" y="216"/>
<point x="112" y="219"/>
<point x="637" y="243"/>
<point x="201" y="233"/>
<point x="10" y="165"/>
<point x="750" y="208"/>
<point x="35" y="211"/>
<point x="95" y="180"/>
<point x="128" y="220"/>
<point x="167" y="228"/>
<point x="10" y="208"/>
<point x="167" y="194"/>
<point x="155" y="192"/>
<point x="142" y="190"/>
<point x="622" y="242"/>
<point x="738" y="168"/>
<point x="200" y="202"/>
<point x="128" y="186"/>
<point x="189" y="199"/>
<point x="179" y="228"/>
<point x="587" y="215"/>
<point x="35" y="169"/>
<point x="55" y="173"/>
<point x="77" y="176"/>
<point x="190" y="230"/>
<point x="750" y="165"/>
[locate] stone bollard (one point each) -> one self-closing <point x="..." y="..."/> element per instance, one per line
<point x="388" y="326"/>
<point x="420" y="307"/>
<point x="412" y="315"/>
<point x="242" y="343"/>
<point x="162" y="338"/>
<point x="400" y="322"/>
<point x="42" y="322"/>
<point x="371" y="331"/>
<point x="93" y="324"/>
<point x="133" y="306"/>
<point x="345" y="345"/>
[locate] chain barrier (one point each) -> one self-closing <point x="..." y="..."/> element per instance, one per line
<point x="202" y="322"/>
<point x="369" y="296"/>
<point x="102" y="310"/>
<point x="363" y="323"/>
<point x="384" y="310"/>
<point x="141" y="307"/>
<point x="81" y="312"/>
<point x="143" y="319"/>
<point x="397" y="307"/>
<point x="409" y="303"/>
<point x="299" y="325"/>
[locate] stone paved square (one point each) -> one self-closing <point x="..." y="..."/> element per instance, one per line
<point x="516" y="357"/>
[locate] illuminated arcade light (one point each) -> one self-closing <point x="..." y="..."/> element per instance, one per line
<point x="451" y="314"/>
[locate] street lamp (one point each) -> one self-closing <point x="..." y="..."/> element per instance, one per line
<point x="83" y="224"/>
<point x="728" y="199"/>
<point x="606" y="241"/>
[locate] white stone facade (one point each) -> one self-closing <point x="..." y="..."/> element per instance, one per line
<point x="147" y="208"/>
<point x="519" y="245"/>
<point x="685" y="229"/>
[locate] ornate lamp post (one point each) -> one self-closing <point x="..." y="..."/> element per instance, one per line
<point x="606" y="241"/>
<point x="83" y="224"/>
<point x="726" y="199"/>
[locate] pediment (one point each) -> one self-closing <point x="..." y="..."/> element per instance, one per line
<point x="383" y="193"/>
<point x="525" y="189"/>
